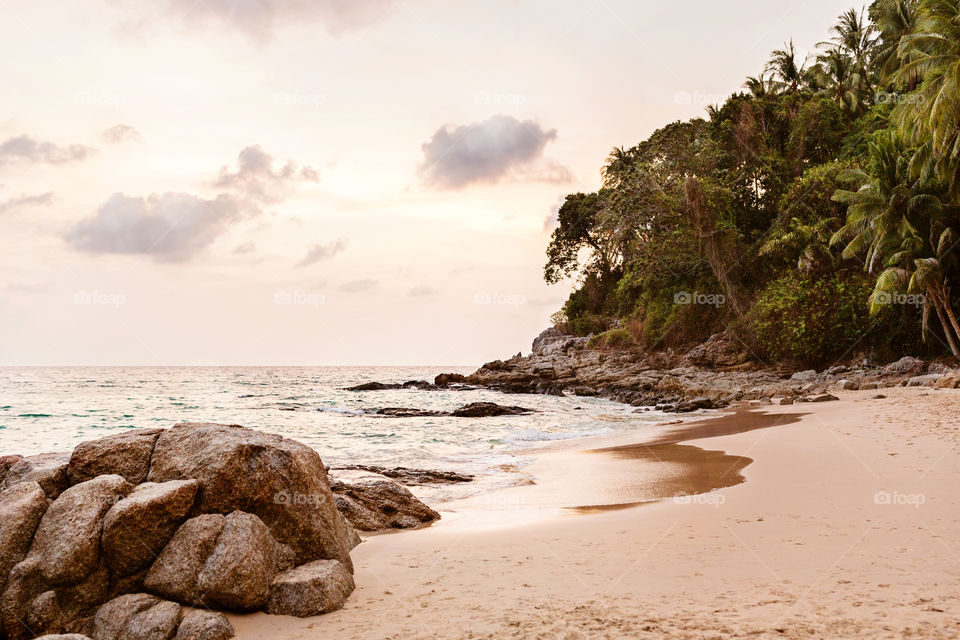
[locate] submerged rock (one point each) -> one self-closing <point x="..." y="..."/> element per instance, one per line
<point x="373" y="386"/>
<point x="404" y="412"/>
<point x="488" y="409"/>
<point x="408" y="476"/>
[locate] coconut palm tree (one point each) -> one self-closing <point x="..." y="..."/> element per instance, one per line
<point x="896" y="222"/>
<point x="836" y="76"/>
<point x="618" y="166"/>
<point x="788" y="74"/>
<point x="855" y="35"/>
<point x="932" y="114"/>
<point x="894" y="19"/>
<point x="757" y="85"/>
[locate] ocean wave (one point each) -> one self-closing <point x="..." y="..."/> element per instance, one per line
<point x="538" y="435"/>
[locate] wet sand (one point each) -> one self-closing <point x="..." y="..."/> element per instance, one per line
<point x="845" y="527"/>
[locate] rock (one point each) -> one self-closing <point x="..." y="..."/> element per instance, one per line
<point x="826" y="397"/>
<point x="64" y="636"/>
<point x="421" y="385"/>
<point x="847" y="385"/>
<point x="280" y="481"/>
<point x="904" y="366"/>
<point x="408" y="476"/>
<point x="929" y="380"/>
<point x="204" y="625"/>
<point x="786" y="401"/>
<point x="21" y="507"/>
<point x="949" y="381"/>
<point x="310" y="589"/>
<point x="174" y="574"/>
<point x="869" y="386"/>
<point x="487" y="409"/>
<point x="720" y="351"/>
<point x="837" y="370"/>
<point x="878" y="396"/>
<point x="376" y="503"/>
<point x="237" y="575"/>
<point x="136" y="616"/>
<point x="802" y="399"/>
<point x="403" y="412"/>
<point x="220" y="561"/>
<point x="125" y="454"/>
<point x="137" y="528"/>
<point x="584" y="391"/>
<point x="446" y="379"/>
<point x="804" y="376"/>
<point x="66" y="546"/>
<point x="373" y="386"/>
<point x="5" y="463"/>
<point x="546" y="337"/>
<point x="49" y="470"/>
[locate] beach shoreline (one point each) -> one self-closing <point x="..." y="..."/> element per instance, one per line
<point x="844" y="527"/>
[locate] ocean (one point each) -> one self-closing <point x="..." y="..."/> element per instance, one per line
<point x="54" y="408"/>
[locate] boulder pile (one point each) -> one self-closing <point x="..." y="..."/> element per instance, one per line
<point x="150" y="533"/>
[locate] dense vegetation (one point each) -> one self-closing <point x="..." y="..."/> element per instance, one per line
<point x="813" y="216"/>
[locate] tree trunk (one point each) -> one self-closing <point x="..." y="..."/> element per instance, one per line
<point x="948" y="308"/>
<point x="947" y="329"/>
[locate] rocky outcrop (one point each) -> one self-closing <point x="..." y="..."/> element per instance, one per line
<point x="112" y="540"/>
<point x="311" y="589"/>
<point x="712" y="375"/>
<point x="373" y="503"/>
<point x="408" y="476"/>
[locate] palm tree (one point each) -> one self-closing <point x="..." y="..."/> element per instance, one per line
<point x="894" y="19"/>
<point x="836" y="77"/>
<point x="895" y="221"/>
<point x="856" y="36"/>
<point x="788" y="74"/>
<point x="932" y="52"/>
<point x="757" y="85"/>
<point x="618" y="165"/>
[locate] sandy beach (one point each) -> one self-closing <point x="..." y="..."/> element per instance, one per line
<point x="839" y="521"/>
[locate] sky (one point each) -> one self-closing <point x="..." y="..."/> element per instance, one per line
<point x="326" y="182"/>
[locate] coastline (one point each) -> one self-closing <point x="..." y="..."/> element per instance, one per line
<point x="844" y="527"/>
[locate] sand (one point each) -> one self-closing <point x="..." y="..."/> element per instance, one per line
<point x="843" y="523"/>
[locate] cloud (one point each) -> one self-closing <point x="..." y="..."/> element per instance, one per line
<point x="420" y="291"/>
<point x="28" y="149"/>
<point x="120" y="133"/>
<point x="246" y="247"/>
<point x="25" y="202"/>
<point x="256" y="178"/>
<point x="320" y="252"/>
<point x="358" y="286"/>
<point x="259" y="18"/>
<point x="170" y="227"/>
<point x="487" y="151"/>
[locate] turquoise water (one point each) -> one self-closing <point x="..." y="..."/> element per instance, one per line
<point x="54" y="408"/>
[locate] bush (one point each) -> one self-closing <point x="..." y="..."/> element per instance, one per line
<point x="614" y="339"/>
<point x="811" y="320"/>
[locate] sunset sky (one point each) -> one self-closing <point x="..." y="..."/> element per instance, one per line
<point x="326" y="182"/>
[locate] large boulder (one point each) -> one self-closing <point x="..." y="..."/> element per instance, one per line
<point x="67" y="542"/>
<point x="137" y="528"/>
<point x="281" y="481"/>
<point x="21" y="507"/>
<point x="373" y="503"/>
<point x="125" y="454"/>
<point x="136" y="616"/>
<point x="49" y="470"/>
<point x="219" y="561"/>
<point x="311" y="589"/>
<point x="204" y="625"/>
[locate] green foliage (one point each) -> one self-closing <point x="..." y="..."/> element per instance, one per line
<point x="620" y="338"/>
<point x="811" y="320"/>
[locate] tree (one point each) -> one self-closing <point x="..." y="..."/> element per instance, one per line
<point x="788" y="74"/>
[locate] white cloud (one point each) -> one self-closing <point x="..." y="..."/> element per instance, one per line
<point x="320" y="252"/>
<point x="28" y="149"/>
<point x="358" y="286"/>
<point x="120" y="133"/>
<point x="25" y="202"/>
<point x="256" y="178"/>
